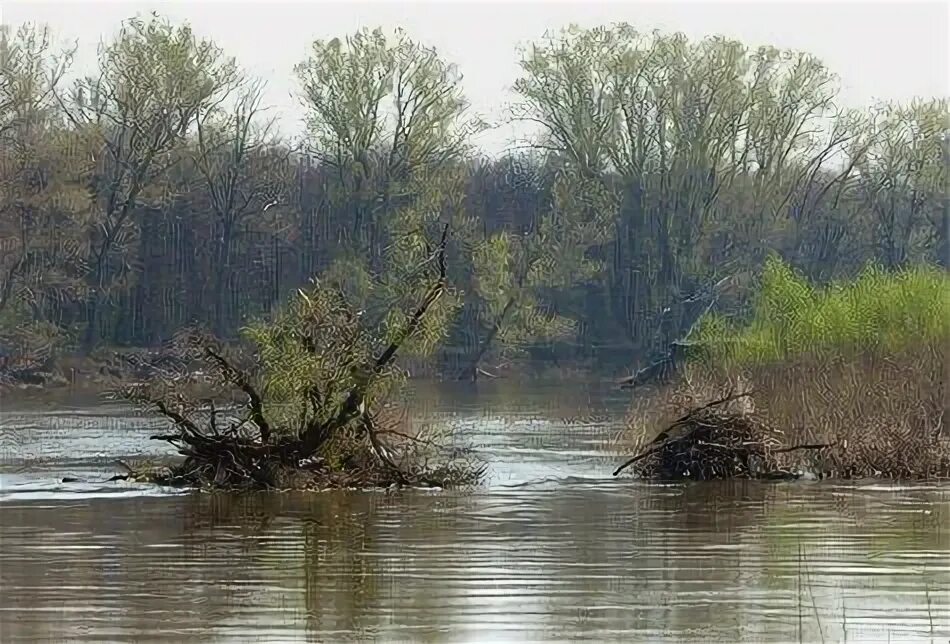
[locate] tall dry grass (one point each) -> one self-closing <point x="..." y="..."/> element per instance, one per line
<point x="861" y="366"/>
<point x="883" y="416"/>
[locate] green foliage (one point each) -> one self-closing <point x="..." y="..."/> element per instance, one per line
<point x="531" y="323"/>
<point x="153" y="80"/>
<point x="389" y="116"/>
<point x="516" y="273"/>
<point x="350" y="274"/>
<point x="880" y="311"/>
<point x="490" y="261"/>
<point x="311" y="354"/>
<point x="671" y="126"/>
<point x="905" y="177"/>
<point x="41" y="195"/>
<point x="407" y="262"/>
<point x="579" y="219"/>
<point x="318" y="348"/>
<point x="153" y="195"/>
<point x="32" y="343"/>
<point x="383" y="102"/>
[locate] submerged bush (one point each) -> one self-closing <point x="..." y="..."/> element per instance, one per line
<point x="317" y="393"/>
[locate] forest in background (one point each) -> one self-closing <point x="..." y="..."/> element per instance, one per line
<point x="156" y="194"/>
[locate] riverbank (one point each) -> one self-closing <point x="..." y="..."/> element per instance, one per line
<point x="868" y="417"/>
<point x="78" y="377"/>
<point x="848" y="380"/>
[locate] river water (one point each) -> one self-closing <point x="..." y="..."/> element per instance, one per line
<point x="551" y="548"/>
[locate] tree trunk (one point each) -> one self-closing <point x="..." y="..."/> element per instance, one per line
<point x="92" y="317"/>
<point x="943" y="235"/>
<point x="222" y="273"/>
<point x="472" y="370"/>
<point x="6" y="294"/>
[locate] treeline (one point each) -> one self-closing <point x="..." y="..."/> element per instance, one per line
<point x="155" y="193"/>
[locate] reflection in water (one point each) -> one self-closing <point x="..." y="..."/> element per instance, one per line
<point x="579" y="557"/>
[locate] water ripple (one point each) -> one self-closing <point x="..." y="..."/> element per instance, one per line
<point x="552" y="548"/>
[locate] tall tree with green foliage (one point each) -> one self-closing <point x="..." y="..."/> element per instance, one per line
<point x="41" y="199"/>
<point x="153" y="80"/>
<point x="387" y="116"/>
<point x="515" y="270"/>
<point x="904" y="179"/>
<point x="673" y="127"/>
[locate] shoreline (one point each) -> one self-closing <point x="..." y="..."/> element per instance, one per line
<point x="91" y="378"/>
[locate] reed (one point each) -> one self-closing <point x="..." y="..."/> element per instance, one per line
<point x="859" y="368"/>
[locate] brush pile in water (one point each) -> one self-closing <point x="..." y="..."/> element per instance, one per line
<point x="711" y="443"/>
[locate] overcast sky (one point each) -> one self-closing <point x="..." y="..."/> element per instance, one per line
<point x="882" y="50"/>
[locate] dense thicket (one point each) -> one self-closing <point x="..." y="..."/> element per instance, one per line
<point x="847" y="379"/>
<point x="883" y="313"/>
<point x="154" y="194"/>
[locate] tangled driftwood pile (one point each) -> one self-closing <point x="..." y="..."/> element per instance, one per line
<point x="710" y="442"/>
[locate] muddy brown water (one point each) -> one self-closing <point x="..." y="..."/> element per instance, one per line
<point x="551" y="548"/>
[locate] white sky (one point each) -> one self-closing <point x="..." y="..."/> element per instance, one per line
<point x="881" y="50"/>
